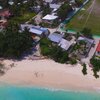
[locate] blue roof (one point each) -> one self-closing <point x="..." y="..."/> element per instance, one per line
<point x="43" y="29"/>
<point x="38" y="31"/>
<point x="55" y="37"/>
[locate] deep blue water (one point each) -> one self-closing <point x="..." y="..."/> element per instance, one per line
<point x="31" y="93"/>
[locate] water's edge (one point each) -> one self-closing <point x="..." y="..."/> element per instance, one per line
<point x="11" y="92"/>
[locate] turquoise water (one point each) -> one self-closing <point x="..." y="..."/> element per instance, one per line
<point x="31" y="93"/>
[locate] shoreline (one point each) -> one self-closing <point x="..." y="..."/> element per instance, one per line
<point x="50" y="75"/>
<point x="53" y="89"/>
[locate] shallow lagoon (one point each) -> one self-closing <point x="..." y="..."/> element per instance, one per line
<point x="32" y="93"/>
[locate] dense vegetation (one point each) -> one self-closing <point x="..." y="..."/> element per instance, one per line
<point x="84" y="70"/>
<point x="87" y="32"/>
<point x="13" y="43"/>
<point x="64" y="11"/>
<point x="96" y="66"/>
<point x="46" y="9"/>
<point x="53" y="51"/>
<point x="79" y="2"/>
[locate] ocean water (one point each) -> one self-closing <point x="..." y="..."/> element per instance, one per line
<point x="32" y="93"/>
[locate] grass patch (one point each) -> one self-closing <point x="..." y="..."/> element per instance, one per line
<point x="78" y="21"/>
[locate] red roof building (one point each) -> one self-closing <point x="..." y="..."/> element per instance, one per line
<point x="97" y="53"/>
<point x="5" y="13"/>
<point x="98" y="47"/>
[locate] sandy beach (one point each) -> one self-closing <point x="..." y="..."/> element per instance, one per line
<point x="47" y="73"/>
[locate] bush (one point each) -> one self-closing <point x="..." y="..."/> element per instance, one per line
<point x="1" y="69"/>
<point x="95" y="74"/>
<point x="96" y="66"/>
<point x="53" y="51"/>
<point x="84" y="70"/>
<point x="45" y="51"/>
<point x="45" y="46"/>
<point x="87" y="33"/>
<point x="79" y="2"/>
<point x="73" y="61"/>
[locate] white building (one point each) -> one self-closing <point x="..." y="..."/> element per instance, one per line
<point x="49" y="18"/>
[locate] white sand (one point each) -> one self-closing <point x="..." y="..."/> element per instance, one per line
<point x="48" y="73"/>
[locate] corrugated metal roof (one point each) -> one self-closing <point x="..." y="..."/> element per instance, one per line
<point x="65" y="44"/>
<point x="55" y="6"/>
<point x="55" y="37"/>
<point x="50" y="17"/>
<point x="36" y="31"/>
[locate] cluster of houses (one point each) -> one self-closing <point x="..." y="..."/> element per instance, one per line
<point x="55" y="6"/>
<point x="49" y="18"/>
<point x="60" y="39"/>
<point x="57" y="38"/>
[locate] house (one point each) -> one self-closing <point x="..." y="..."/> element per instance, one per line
<point x="87" y="46"/>
<point x="48" y="1"/>
<point x="55" y="37"/>
<point x="36" y="8"/>
<point x="5" y="13"/>
<point x="28" y="26"/>
<point x="49" y="18"/>
<point x="97" y="53"/>
<point x="25" y="1"/>
<point x="60" y="41"/>
<point x="10" y="2"/>
<point x="39" y="31"/>
<point x="34" y="30"/>
<point x="55" y="6"/>
<point x="72" y="1"/>
<point x="65" y="44"/>
<point x="89" y="41"/>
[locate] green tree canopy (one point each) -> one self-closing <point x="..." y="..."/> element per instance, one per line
<point x="84" y="70"/>
<point x="87" y="32"/>
<point x="14" y="43"/>
<point x="64" y="10"/>
<point x="79" y="2"/>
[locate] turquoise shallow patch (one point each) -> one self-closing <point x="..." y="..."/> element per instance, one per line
<point x="31" y="93"/>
